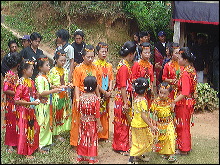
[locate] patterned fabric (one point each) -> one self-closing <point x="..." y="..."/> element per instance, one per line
<point x="62" y="106"/>
<point x="80" y="72"/>
<point x="165" y="123"/>
<point x="184" y="108"/>
<point x="106" y="77"/>
<point x="28" y="128"/>
<point x="8" y="105"/>
<point x="89" y="106"/>
<point x="43" y="111"/>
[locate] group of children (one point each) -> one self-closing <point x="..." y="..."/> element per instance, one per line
<point x="36" y="111"/>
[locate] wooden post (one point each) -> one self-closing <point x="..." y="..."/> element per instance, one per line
<point x="176" y="35"/>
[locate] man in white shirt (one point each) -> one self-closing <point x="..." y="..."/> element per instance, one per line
<point x="63" y="38"/>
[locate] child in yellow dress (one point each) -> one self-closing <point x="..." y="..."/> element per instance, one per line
<point x="141" y="127"/>
<point x="163" y="117"/>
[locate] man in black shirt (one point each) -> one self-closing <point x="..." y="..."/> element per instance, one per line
<point x="32" y="52"/>
<point x="13" y="47"/>
<point x="78" y="46"/>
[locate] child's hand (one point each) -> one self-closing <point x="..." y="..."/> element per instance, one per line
<point x="36" y="102"/>
<point x="154" y="129"/>
<point x="107" y="94"/>
<point x="100" y="128"/>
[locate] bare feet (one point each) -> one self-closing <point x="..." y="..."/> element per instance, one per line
<point x="42" y="151"/>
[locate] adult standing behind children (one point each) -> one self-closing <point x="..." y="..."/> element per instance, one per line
<point x="185" y="100"/>
<point x="25" y="41"/>
<point x="13" y="47"/>
<point x="32" y="52"/>
<point x="63" y="38"/>
<point x="78" y="46"/>
<point x="159" y="54"/>
<point x="122" y="107"/>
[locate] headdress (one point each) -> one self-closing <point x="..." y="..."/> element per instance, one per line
<point x="43" y="59"/>
<point x="61" y="54"/>
<point x="29" y="62"/>
<point x="163" y="87"/>
<point x="89" y="50"/>
<point x="103" y="46"/>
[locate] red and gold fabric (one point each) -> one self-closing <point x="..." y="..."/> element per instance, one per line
<point x="80" y="72"/>
<point x="28" y="128"/>
<point x="106" y="73"/>
<point x="89" y="108"/>
<point x="172" y="71"/>
<point x="8" y="105"/>
<point x="121" y="125"/>
<point x="184" y="108"/>
<point x="165" y="139"/>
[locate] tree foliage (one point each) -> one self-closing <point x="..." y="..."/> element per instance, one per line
<point x="152" y="16"/>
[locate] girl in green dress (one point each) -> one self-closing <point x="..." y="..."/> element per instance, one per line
<point x="62" y="104"/>
<point x="43" y="113"/>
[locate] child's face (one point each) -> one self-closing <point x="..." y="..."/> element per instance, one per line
<point x="61" y="61"/>
<point x="89" y="58"/>
<point x="145" y="39"/>
<point x="146" y="54"/>
<point x="181" y="61"/>
<point x="175" y="54"/>
<point x="29" y="71"/>
<point x="102" y="54"/>
<point x="163" y="93"/>
<point x="46" y="67"/>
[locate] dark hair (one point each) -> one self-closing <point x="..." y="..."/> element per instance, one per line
<point x="140" y="85"/>
<point x="35" y="36"/>
<point x="101" y="45"/>
<point x="172" y="46"/>
<point x="145" y="44"/>
<point x="63" y="34"/>
<point x="136" y="33"/>
<point x="57" y="55"/>
<point x="88" y="48"/>
<point x="186" y="54"/>
<point x="23" y="65"/>
<point x="165" y="85"/>
<point x="12" y="42"/>
<point x="41" y="61"/>
<point x="128" y="47"/>
<point x="201" y="36"/>
<point x="90" y="83"/>
<point x="143" y="33"/>
<point x="13" y="60"/>
<point x="79" y="32"/>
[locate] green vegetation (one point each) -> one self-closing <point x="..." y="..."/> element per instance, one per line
<point x="5" y="37"/>
<point x="206" y="98"/>
<point x="153" y="16"/>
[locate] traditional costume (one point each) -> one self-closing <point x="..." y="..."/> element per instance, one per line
<point x="89" y="107"/>
<point x="44" y="111"/>
<point x="62" y="106"/>
<point x="28" y="128"/>
<point x="172" y="71"/>
<point x="142" y="137"/>
<point x="166" y="137"/>
<point x="184" y="108"/>
<point x="106" y="77"/>
<point x="143" y="68"/>
<point x="80" y="72"/>
<point x="8" y="104"/>
<point x="121" y="125"/>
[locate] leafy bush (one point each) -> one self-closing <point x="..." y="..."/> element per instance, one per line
<point x="152" y="16"/>
<point x="206" y="98"/>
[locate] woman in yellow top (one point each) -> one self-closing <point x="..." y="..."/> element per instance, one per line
<point x="105" y="87"/>
<point x="163" y="117"/>
<point x="141" y="127"/>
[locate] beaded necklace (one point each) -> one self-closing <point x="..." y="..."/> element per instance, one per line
<point x="60" y="70"/>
